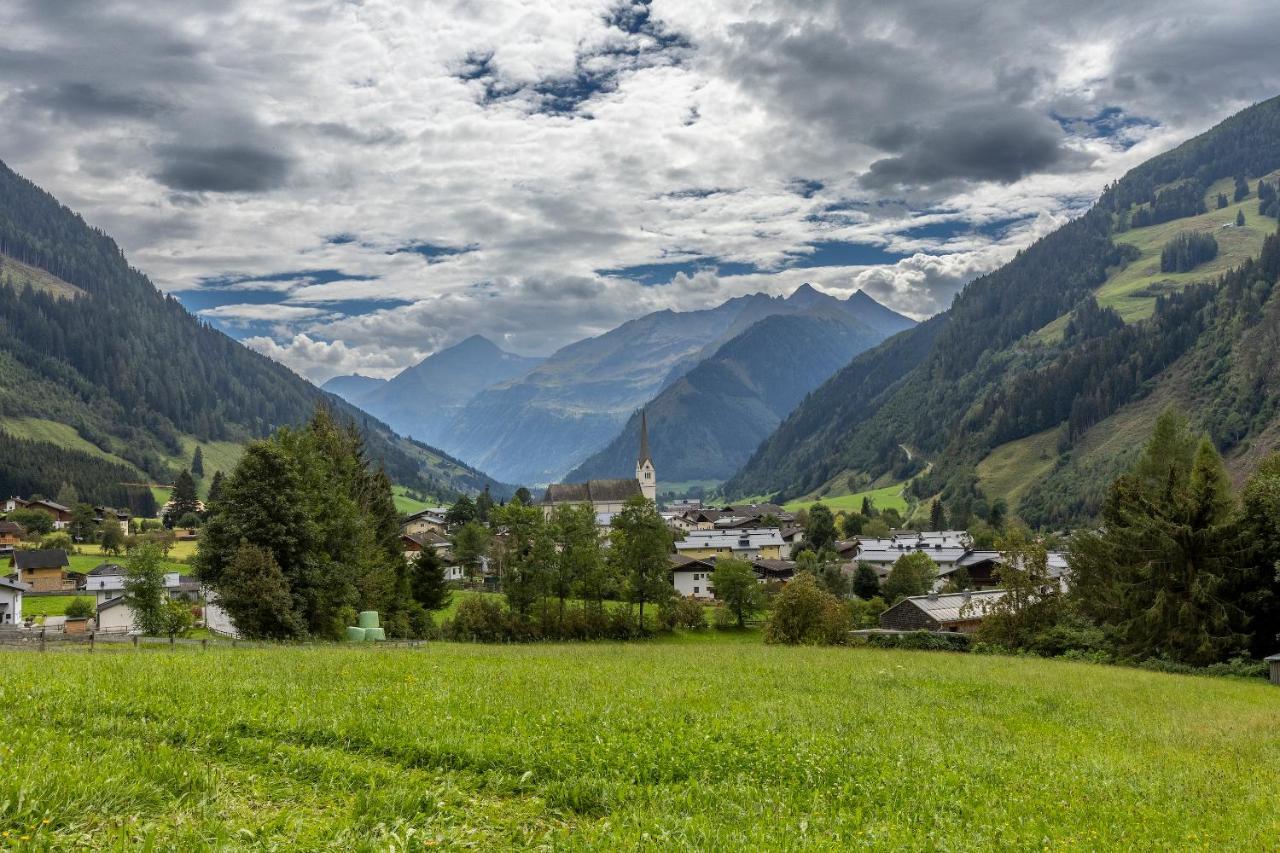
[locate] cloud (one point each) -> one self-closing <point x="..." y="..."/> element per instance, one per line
<point x="537" y="171"/>
<point x="222" y="169"/>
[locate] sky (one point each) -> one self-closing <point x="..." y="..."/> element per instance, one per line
<point x="351" y="186"/>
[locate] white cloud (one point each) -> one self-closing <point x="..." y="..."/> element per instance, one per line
<point x="297" y="149"/>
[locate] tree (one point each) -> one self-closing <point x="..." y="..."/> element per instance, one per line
<point x="868" y="507"/>
<point x="820" y="531"/>
<point x="866" y="583"/>
<point x="144" y="590"/>
<point x="639" y="550"/>
<point x="1031" y="597"/>
<point x="484" y="506"/>
<point x="1260" y="531"/>
<point x="111" y="537"/>
<point x="34" y="521"/>
<point x="804" y="613"/>
<point x="80" y="608"/>
<point x="462" y="511"/>
<point x="57" y="540"/>
<point x="67" y="495"/>
<point x="825" y="566"/>
<point x="469" y="543"/>
<point x="184" y="499"/>
<point x="428" y="584"/>
<point x="853" y="525"/>
<point x="177" y="618"/>
<point x="1222" y="201"/>
<point x="937" y="516"/>
<point x="1160" y="574"/>
<point x="82" y="524"/>
<point x="197" y="462"/>
<point x="912" y="574"/>
<point x="255" y="593"/>
<point x="522" y="494"/>
<point x="875" y="529"/>
<point x="577" y="563"/>
<point x="999" y="511"/>
<point x="310" y="497"/>
<point x="526" y="555"/>
<point x="734" y="583"/>
<point x="215" y="487"/>
<point x="1239" y="218"/>
<point x="190" y="521"/>
<point x="1242" y="188"/>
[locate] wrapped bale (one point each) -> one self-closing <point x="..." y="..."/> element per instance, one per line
<point x="367" y="619"/>
<point x="374" y="634"/>
<point x="356" y="635"/>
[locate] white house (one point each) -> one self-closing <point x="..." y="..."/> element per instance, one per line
<point x="692" y="578"/>
<point x="11" y="601"/>
<point x="114" y="616"/>
<point x="106" y="581"/>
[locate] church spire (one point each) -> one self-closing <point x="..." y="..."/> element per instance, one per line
<point x="644" y="440"/>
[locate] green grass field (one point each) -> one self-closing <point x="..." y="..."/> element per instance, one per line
<point x="63" y="435"/>
<point x="406" y="505"/>
<point x="49" y="605"/>
<point x="890" y="497"/>
<point x="1011" y="469"/>
<point x="709" y="745"/>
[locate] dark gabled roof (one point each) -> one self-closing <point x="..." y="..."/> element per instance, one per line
<point x="103" y="570"/>
<point x="775" y="567"/>
<point x="680" y="562"/>
<point x="53" y="558"/>
<point x="57" y="506"/>
<point x="12" y="527"/>
<point x="111" y="602"/>
<point x="594" y="491"/>
<point x="21" y="587"/>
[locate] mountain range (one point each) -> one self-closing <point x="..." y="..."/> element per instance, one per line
<point x="1044" y="377"/>
<point x="531" y="421"/>
<point x="705" y="424"/>
<point x="106" y="382"/>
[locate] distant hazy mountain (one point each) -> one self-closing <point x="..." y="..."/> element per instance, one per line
<point x="707" y="423"/>
<point x="353" y="387"/>
<point x="536" y="428"/>
<point x="422" y="400"/>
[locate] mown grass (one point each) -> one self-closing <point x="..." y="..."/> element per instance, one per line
<point x="889" y="497"/>
<point x="406" y="505"/>
<point x="49" y="605"/>
<point x="725" y="745"/>
<point x="60" y="434"/>
<point x="1012" y="468"/>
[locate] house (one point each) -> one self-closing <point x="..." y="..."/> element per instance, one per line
<point x="763" y="542"/>
<point x="45" y="571"/>
<point x="114" y="616"/>
<point x="11" y="534"/>
<point x="608" y="496"/>
<point x="13" y="503"/>
<point x="962" y="612"/>
<point x="61" y="514"/>
<point x="1274" y="662"/>
<point x="774" y="571"/>
<point x="692" y="577"/>
<point x="120" y="516"/>
<point x="429" y="520"/>
<point x="415" y="544"/>
<point x="106" y="581"/>
<point x="11" y="601"/>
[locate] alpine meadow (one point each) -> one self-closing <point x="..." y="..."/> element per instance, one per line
<point x="639" y="425"/>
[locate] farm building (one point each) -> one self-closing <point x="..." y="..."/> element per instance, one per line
<point x="692" y="577"/>
<point x="1274" y="662"/>
<point x="44" y="571"/>
<point x="951" y="611"/>
<point x="11" y="534"/>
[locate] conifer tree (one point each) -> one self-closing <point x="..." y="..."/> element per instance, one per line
<point x="197" y="462"/>
<point x="184" y="499"/>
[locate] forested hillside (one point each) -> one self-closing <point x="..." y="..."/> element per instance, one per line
<point x="705" y="425"/>
<point x="89" y="343"/>
<point x="1079" y="330"/>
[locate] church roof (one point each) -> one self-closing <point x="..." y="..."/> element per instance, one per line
<point x="644" y="440"/>
<point x="593" y="491"/>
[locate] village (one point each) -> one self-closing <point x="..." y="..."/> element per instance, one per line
<point x="958" y="586"/>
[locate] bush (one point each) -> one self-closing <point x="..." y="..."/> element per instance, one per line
<point x="57" y="540"/>
<point x="480" y="618"/>
<point x="723" y="619"/>
<point x="681" y="612"/>
<point x="925" y="641"/>
<point x="804" y="613"/>
<point x="80" y="608"/>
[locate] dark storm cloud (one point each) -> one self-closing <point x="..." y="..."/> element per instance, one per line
<point x="224" y="168"/>
<point x="81" y="100"/>
<point x="988" y="144"/>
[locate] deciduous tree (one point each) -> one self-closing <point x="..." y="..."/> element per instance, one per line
<point x="735" y="585"/>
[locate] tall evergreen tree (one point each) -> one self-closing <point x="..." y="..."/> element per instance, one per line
<point x="67" y="495"/>
<point x="215" y="487"/>
<point x="429" y="586"/>
<point x="469" y="543"/>
<point x="937" y="516"/>
<point x="197" y="462"/>
<point x="484" y="506"/>
<point x="1260" y="528"/>
<point x="184" y="498"/>
<point x="1159" y="575"/>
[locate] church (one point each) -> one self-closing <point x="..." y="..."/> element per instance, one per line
<point x="608" y="496"/>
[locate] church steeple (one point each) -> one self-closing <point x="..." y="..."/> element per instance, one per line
<point x="645" y="472"/>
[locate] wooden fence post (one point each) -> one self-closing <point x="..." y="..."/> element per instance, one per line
<point x="91" y="636"/>
<point x="204" y="643"/>
<point x="42" y="639"/>
<point x="135" y="641"/>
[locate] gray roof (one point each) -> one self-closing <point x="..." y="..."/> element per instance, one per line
<point x="53" y="558"/>
<point x="1275" y="657"/>
<point x="107" y="570"/>
<point x="593" y="491"/>
<point x="21" y="587"/>
<point x="111" y="602"/>
<point x="12" y="527"/>
<point x="946" y="607"/>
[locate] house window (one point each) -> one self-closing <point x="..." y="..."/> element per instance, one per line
<point x="695" y="590"/>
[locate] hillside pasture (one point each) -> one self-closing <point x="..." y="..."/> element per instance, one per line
<point x="709" y="745"/>
<point x="889" y="497"/>
<point x="1012" y="468"/>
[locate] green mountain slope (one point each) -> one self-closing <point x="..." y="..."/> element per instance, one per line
<point x="1078" y="335"/>
<point x="135" y="382"/>
<point x="706" y="424"/>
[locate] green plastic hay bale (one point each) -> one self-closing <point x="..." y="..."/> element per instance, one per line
<point x="356" y="635"/>
<point x="367" y="619"/>
<point x="374" y="634"/>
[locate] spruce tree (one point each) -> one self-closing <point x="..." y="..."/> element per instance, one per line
<point x="1239" y="218"/>
<point x="484" y="506"/>
<point x="197" y="462"/>
<point x="428" y="584"/>
<point x="937" y="516"/>
<point x="184" y="498"/>
<point x="215" y="487"/>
